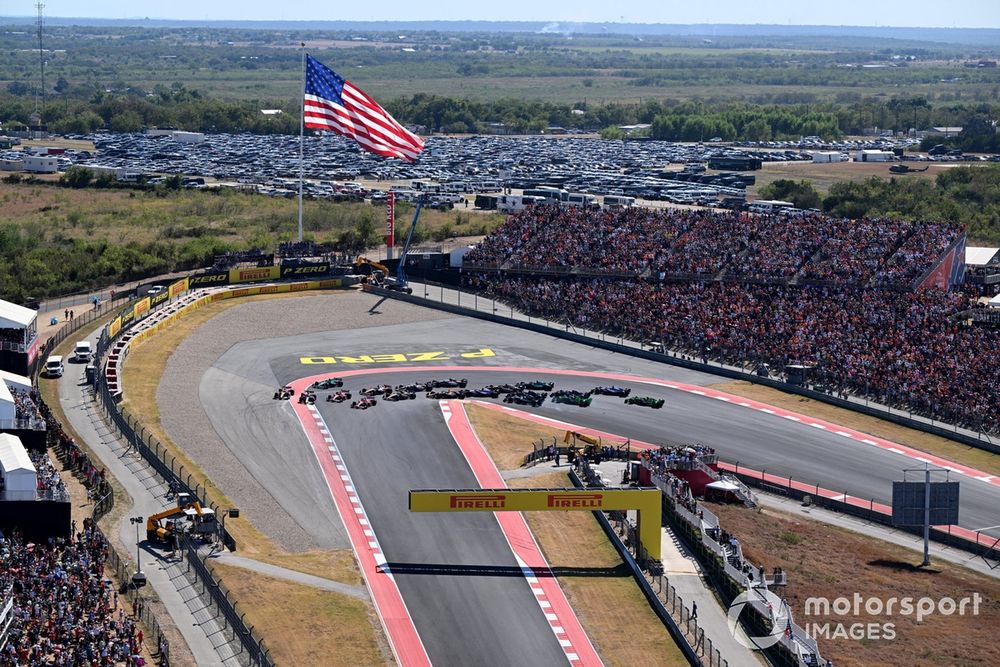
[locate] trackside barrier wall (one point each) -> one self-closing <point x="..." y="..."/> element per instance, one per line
<point x="551" y="328"/>
<point x="167" y="466"/>
<point x="697" y="649"/>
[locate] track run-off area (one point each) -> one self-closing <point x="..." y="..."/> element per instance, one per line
<point x="474" y="588"/>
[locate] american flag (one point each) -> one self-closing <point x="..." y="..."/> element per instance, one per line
<point x="333" y="103"/>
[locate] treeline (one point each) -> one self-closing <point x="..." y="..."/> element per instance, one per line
<point x="183" y="108"/>
<point x="967" y="196"/>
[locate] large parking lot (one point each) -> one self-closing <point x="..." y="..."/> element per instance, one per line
<point x="648" y="170"/>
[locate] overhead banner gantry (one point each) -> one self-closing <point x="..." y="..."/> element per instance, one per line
<point x="645" y="501"/>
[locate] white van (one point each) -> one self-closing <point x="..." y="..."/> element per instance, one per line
<point x="54" y="366"/>
<point x="82" y="351"/>
<point x="618" y="201"/>
<point x="579" y="200"/>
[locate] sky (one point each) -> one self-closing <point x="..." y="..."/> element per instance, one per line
<point x="908" y="13"/>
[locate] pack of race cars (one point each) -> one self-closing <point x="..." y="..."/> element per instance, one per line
<point x="532" y="393"/>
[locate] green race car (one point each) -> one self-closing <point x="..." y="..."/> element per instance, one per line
<point x="646" y="401"/>
<point x="572" y="397"/>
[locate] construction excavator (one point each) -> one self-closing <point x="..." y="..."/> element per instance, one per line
<point x="190" y="517"/>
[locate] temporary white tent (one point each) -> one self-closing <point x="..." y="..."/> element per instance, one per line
<point x="13" y="316"/>
<point x="15" y="381"/>
<point x="8" y="410"/>
<point x="19" y="479"/>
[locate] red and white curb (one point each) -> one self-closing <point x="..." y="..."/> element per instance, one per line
<point x="407" y="647"/>
<point x="551" y="599"/>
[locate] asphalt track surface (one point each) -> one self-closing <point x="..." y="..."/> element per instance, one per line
<point x="468" y="599"/>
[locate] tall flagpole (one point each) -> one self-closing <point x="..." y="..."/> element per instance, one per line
<point x="302" y="131"/>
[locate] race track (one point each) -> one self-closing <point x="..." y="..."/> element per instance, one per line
<point x="482" y="611"/>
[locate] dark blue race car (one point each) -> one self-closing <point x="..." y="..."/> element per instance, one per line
<point x="613" y="391"/>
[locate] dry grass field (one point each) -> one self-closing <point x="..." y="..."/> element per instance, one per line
<point x="822" y="176"/>
<point x="826" y="561"/>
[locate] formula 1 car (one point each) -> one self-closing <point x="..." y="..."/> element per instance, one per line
<point x="378" y="389"/>
<point x="502" y="388"/>
<point x="572" y="397"/>
<point x="307" y="397"/>
<point x="485" y="392"/>
<point x="613" y="391"/>
<point x="526" y="397"/>
<point x="399" y="395"/>
<point x="328" y="383"/>
<point x="536" y="385"/>
<point x="414" y="387"/>
<point x="646" y="401"/>
<point x="446" y="393"/>
<point x="364" y="403"/>
<point x="338" y="396"/>
<point x="450" y="382"/>
<point x="283" y="393"/>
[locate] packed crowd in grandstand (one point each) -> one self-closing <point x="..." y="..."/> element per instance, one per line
<point x="898" y="346"/>
<point x="24" y="403"/>
<point x="49" y="484"/>
<point x="64" y="608"/>
<point x="12" y="335"/>
<point x="671" y="242"/>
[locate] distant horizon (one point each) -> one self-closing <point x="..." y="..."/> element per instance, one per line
<point x="961" y="14"/>
<point x="552" y="22"/>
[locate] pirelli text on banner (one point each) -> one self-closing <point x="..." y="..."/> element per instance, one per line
<point x="254" y="274"/>
<point x="178" y="288"/>
<point x="209" y="279"/>
<point x="141" y="308"/>
<point x="114" y="327"/>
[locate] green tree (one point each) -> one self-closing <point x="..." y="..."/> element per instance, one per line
<point x="800" y="193"/>
<point x="76" y="177"/>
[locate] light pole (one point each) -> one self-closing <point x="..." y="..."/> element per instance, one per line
<point x="139" y="578"/>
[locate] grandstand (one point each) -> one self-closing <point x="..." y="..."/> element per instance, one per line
<point x="866" y="303"/>
<point x="689" y="245"/>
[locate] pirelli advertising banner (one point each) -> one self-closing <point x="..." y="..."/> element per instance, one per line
<point x="208" y="279"/>
<point x="114" y="327"/>
<point x="178" y="288"/>
<point x="305" y="270"/>
<point x="157" y="299"/>
<point x="140" y="309"/>
<point x="254" y="275"/>
<point x="646" y="501"/>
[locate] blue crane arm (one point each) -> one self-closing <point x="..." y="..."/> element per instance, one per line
<point x="400" y="268"/>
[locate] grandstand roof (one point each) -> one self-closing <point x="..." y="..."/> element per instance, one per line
<point x="13" y="455"/>
<point x="13" y="316"/>
<point x="8" y="409"/>
<point x="980" y="256"/>
<point x="17" y="381"/>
